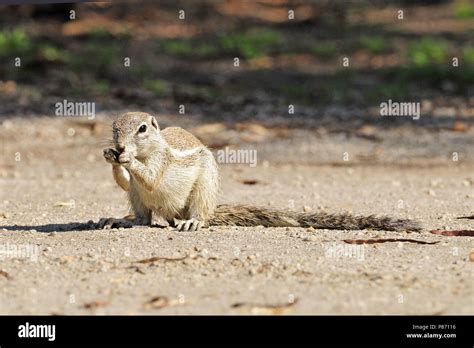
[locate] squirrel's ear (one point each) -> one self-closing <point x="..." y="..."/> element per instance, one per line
<point x="154" y="123"/>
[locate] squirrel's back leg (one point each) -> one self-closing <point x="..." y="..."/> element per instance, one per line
<point x="203" y="197"/>
<point x="142" y="213"/>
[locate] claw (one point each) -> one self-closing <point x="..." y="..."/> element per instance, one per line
<point x="190" y="225"/>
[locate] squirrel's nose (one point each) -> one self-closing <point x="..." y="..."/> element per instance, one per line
<point x="120" y="148"/>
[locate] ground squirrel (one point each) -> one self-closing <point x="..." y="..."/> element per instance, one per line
<point x="170" y="173"/>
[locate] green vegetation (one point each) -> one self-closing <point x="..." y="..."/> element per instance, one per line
<point x="324" y="49"/>
<point x="375" y="44"/>
<point x="98" y="58"/>
<point x="101" y="87"/>
<point x="427" y="51"/>
<point x="14" y="42"/>
<point x="464" y="9"/>
<point x="207" y="50"/>
<point x="99" y="33"/>
<point x="385" y="91"/>
<point x="52" y="53"/>
<point x="431" y="76"/>
<point x="251" y="44"/>
<point x="158" y="87"/>
<point x="178" y="47"/>
<point x="468" y="54"/>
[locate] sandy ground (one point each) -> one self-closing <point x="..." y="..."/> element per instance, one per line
<point x="57" y="266"/>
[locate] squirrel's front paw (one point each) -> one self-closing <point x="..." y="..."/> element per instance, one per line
<point x="111" y="156"/>
<point x="125" y="158"/>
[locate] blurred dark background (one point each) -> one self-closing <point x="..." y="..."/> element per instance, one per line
<point x="282" y="62"/>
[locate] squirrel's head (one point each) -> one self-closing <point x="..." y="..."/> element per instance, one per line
<point x="135" y="132"/>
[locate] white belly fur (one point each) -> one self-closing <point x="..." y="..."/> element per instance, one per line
<point x="169" y="199"/>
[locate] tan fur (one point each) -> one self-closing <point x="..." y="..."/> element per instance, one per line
<point x="171" y="174"/>
<point x="180" y="139"/>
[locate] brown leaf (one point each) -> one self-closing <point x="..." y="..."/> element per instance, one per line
<point x="250" y="182"/>
<point x="385" y="240"/>
<point x="161" y="302"/>
<point x="137" y="269"/>
<point x="96" y="304"/>
<point x="8" y="87"/>
<point x="466" y="217"/>
<point x="457" y="233"/>
<point x="471" y="256"/>
<point x="5" y="274"/>
<point x="460" y="126"/>
<point x="164" y="259"/>
<point x="260" y="309"/>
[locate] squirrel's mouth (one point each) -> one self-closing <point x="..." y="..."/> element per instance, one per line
<point x="119" y="150"/>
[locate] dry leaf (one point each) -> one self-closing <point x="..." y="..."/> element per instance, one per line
<point x="137" y="269"/>
<point x="385" y="240"/>
<point x="165" y="259"/>
<point x="460" y="126"/>
<point x="7" y="87"/>
<point x="471" y="256"/>
<point x="250" y="182"/>
<point x="5" y="274"/>
<point x="96" y="304"/>
<point x="265" y="309"/>
<point x="467" y="217"/>
<point x="457" y="233"/>
<point x="161" y="302"/>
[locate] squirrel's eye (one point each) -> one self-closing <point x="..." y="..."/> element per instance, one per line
<point x="142" y="128"/>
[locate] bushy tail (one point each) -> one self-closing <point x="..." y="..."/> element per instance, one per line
<point x="244" y="215"/>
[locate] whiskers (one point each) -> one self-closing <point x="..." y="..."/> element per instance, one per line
<point x="107" y="143"/>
